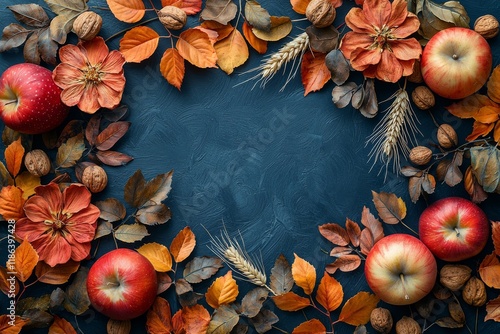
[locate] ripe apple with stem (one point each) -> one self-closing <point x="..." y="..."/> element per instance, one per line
<point x="122" y="284"/>
<point x="456" y="62"/>
<point x="400" y="269"/>
<point x="454" y="229"/>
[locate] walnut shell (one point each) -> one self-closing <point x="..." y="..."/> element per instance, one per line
<point x="454" y="276"/>
<point x="87" y="25"/>
<point x="420" y="155"/>
<point x="486" y="26"/>
<point x="407" y="325"/>
<point x="94" y="178"/>
<point x="172" y="18"/>
<point x="447" y="136"/>
<point x="321" y="13"/>
<point x="423" y="97"/>
<point x="37" y="163"/>
<point x="381" y="320"/>
<point x="474" y="292"/>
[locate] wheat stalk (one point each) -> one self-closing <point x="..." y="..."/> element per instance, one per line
<point x="272" y="64"/>
<point x="393" y="134"/>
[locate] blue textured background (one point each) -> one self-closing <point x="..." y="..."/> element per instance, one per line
<point x="269" y="165"/>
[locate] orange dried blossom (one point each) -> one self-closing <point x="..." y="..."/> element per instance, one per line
<point x="91" y="77"/>
<point x="378" y="44"/>
<point x="59" y="225"/>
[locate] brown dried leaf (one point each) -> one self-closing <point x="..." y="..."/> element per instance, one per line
<point x="456" y="312"/>
<point x="71" y="129"/>
<point x="281" y="276"/>
<point x="67" y="7"/>
<point x="70" y="152"/>
<point x="334" y="233"/>
<point x="369" y="107"/>
<point x="164" y="282"/>
<point x="172" y="67"/>
<point x="453" y="174"/>
<point x="428" y="183"/>
<point x="344" y="263"/>
<point x="158" y="255"/>
<point x="159" y="317"/>
<point x="134" y="188"/>
<point x="252" y="302"/>
<point x="221" y="11"/>
<point x="32" y="15"/>
<point x="56" y="275"/>
<point x="304" y="274"/>
<point x="183" y="244"/>
<point x="191" y="7"/>
<point x="257" y="16"/>
<point x="493" y="310"/>
<point x="112" y="210"/>
<point x="47" y="48"/>
<point x="223" y="290"/>
<point x="26" y="259"/>
<point x="391" y="209"/>
<point x="201" y="268"/>
<point x="195" y="46"/>
<point x="13" y="35"/>
<point x="330" y="293"/>
<point x="356" y="311"/>
<point x="342" y="94"/>
<point x="129" y="11"/>
<point x="473" y="187"/>
<point x="92" y="129"/>
<point x="223" y="320"/>
<point x="448" y="322"/>
<point x="104" y="228"/>
<point x="354" y="231"/>
<point x="31" y="52"/>
<point x="324" y="40"/>
<point x="111" y="134"/>
<point x="139" y="43"/>
<point x="341" y="251"/>
<point x="366" y="241"/>
<point x="264" y="321"/>
<point x="153" y="214"/>
<point x="77" y="299"/>
<point x="489" y="270"/>
<point x="290" y="301"/>
<point x="196" y="319"/>
<point x="373" y="224"/>
<point x="131" y="232"/>
<point x="113" y="158"/>
<point x="485" y="163"/>
<point x="60" y="27"/>
<point x="495" y="236"/>
<point x="157" y="189"/>
<point x="280" y="28"/>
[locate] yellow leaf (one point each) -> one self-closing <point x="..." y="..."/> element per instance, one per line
<point x="232" y="51"/>
<point x="26" y="259"/>
<point x="330" y="293"/>
<point x="194" y="45"/>
<point x="357" y="309"/>
<point x="183" y="244"/>
<point x="291" y="301"/>
<point x="14" y="157"/>
<point x="280" y="28"/>
<point x="223" y="290"/>
<point x="304" y="274"/>
<point x="129" y="11"/>
<point x="11" y="202"/>
<point x="138" y="44"/>
<point x="158" y="255"/>
<point x="172" y="67"/>
<point x="27" y="182"/>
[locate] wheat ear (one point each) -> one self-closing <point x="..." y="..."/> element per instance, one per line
<point x="272" y="64"/>
<point x="393" y="134"/>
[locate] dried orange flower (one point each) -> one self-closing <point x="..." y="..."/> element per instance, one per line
<point x="59" y="225"/>
<point x="378" y="44"/>
<point x="91" y="77"/>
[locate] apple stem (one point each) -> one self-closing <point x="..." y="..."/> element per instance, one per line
<point x="10" y="102"/>
<point x="402" y="277"/>
<point x="457" y="232"/>
<point x="113" y="284"/>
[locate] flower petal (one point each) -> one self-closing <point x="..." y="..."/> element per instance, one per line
<point x="37" y="209"/>
<point x="113" y="62"/>
<point x="362" y="58"/>
<point x="406" y="49"/>
<point x="79" y="251"/>
<point x="65" y="75"/>
<point x="107" y="96"/>
<point x="73" y="56"/>
<point x="52" y="194"/>
<point x="88" y="102"/>
<point x="82" y="226"/>
<point x="27" y="229"/>
<point x="356" y="20"/>
<point x="352" y="41"/>
<point x="95" y="50"/>
<point x="114" y="81"/>
<point x="399" y="12"/>
<point x="409" y="26"/>
<point x="53" y="249"/>
<point x="389" y="69"/>
<point x="407" y="66"/>
<point x="72" y="95"/>
<point x="377" y="12"/>
<point x="76" y="197"/>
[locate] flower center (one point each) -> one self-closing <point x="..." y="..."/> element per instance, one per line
<point x="57" y="224"/>
<point x="92" y="75"/>
<point x="381" y="37"/>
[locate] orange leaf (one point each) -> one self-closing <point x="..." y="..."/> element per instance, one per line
<point x="496" y="132"/>
<point x="56" y="275"/>
<point x="14" y="157"/>
<point x="345" y="263"/>
<point x="138" y="44"/>
<point x="232" y="51"/>
<point x="61" y="326"/>
<point x="195" y="46"/>
<point x="158" y="255"/>
<point x="196" y="319"/>
<point x="256" y="43"/>
<point x="479" y="130"/>
<point x="489" y="270"/>
<point x="358" y="308"/>
<point x="300" y="5"/>
<point x="26" y="259"/>
<point x="494" y="85"/>
<point x="172" y="67"/>
<point x="159" y="317"/>
<point x="304" y="274"/>
<point x="6" y="326"/>
<point x="183" y="244"/>
<point x="366" y="241"/>
<point x="372" y="223"/>
<point x="313" y="326"/>
<point x="330" y="293"/>
<point x="493" y="310"/>
<point x="391" y="209"/>
<point x="27" y="182"/>
<point x="495" y="235"/>
<point x="314" y="72"/>
<point x="6" y="280"/>
<point x="129" y="11"/>
<point x="178" y="323"/>
<point x="334" y="233"/>
<point x="223" y="290"/>
<point x="222" y="30"/>
<point x="11" y="203"/>
<point x="470" y="106"/>
<point x="189" y="6"/>
<point x="290" y="301"/>
<point x="487" y="114"/>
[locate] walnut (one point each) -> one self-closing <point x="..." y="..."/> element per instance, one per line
<point x="416" y="76"/>
<point x="37" y="163"/>
<point x="454" y="276"/>
<point x="447" y="136"/>
<point x="172" y="18"/>
<point x="423" y="98"/>
<point x="87" y="25"/>
<point x="321" y="13"/>
<point x="381" y="320"/>
<point x="407" y="325"/>
<point x="486" y="26"/>
<point x="420" y="155"/>
<point x="94" y="178"/>
<point x="474" y="292"/>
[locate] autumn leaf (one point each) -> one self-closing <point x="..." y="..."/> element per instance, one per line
<point x="138" y="44"/>
<point x="134" y="188"/>
<point x="223" y="320"/>
<point x="290" y="301"/>
<point x="281" y="276"/>
<point x="113" y="158"/>
<point x="493" y="85"/>
<point x="131" y="232"/>
<point x="300" y="6"/>
<point x="470" y="106"/>
<point x="195" y="46"/>
<point x="26" y="259"/>
<point x="489" y="270"/>
<point x="215" y="30"/>
<point x="485" y="163"/>
<point x="366" y="241"/>
<point x="256" y="43"/>
<point x="339" y="251"/>
<point x="495" y="235"/>
<point x="493" y="310"/>
<point x="314" y="72"/>
<point x="129" y="11"/>
<point x="257" y="16"/>
<point x="334" y="233"/>
<point x="344" y="263"/>
<point x="61" y="326"/>
<point x="32" y="15"/>
<point x="313" y="326"/>
<point x="252" y="303"/>
<point x="191" y="7"/>
<point x="196" y="319"/>
<point x="153" y="214"/>
<point x="475" y="191"/>
<point x="158" y="255"/>
<point x="358" y="308"/>
<point x="6" y="326"/>
<point x="77" y="299"/>
<point x="223" y="290"/>
<point x="159" y="317"/>
<point x="330" y="293"/>
<point x="157" y="189"/>
<point x="13" y="35"/>
<point x="201" y="268"/>
<point x="221" y="11"/>
<point x="11" y="202"/>
<point x="232" y="51"/>
<point x="70" y="152"/>
<point x="304" y="274"/>
<point x="391" y="209"/>
<point x="14" y="154"/>
<point x="111" y="134"/>
<point x="56" y="275"/>
<point x="353" y="231"/>
<point x="111" y="209"/>
<point x="280" y="28"/>
<point x="172" y="67"/>
<point x="183" y="244"/>
<point x="27" y="182"/>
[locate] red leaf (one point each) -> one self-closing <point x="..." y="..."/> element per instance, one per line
<point x="109" y="136"/>
<point x="334" y="233"/>
<point x="314" y="72"/>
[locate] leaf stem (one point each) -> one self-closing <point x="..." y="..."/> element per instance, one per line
<point x="132" y="27"/>
<point x="408" y="227"/>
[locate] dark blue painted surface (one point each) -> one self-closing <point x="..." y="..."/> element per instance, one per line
<point x="269" y="165"/>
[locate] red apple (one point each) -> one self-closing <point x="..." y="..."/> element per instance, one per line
<point x="454" y="229"/>
<point x="456" y="62"/>
<point x="122" y="284"/>
<point x="30" y="101"/>
<point x="400" y="269"/>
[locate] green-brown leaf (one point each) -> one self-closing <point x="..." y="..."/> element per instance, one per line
<point x="485" y="163"/>
<point x="131" y="232"/>
<point x="70" y="152"/>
